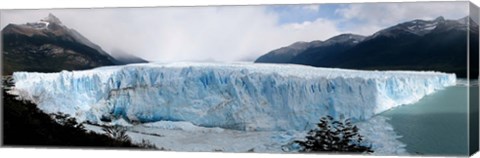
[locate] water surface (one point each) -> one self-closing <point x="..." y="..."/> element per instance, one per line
<point x="436" y="125"/>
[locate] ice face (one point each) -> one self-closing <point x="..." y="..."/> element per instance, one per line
<point x="241" y="96"/>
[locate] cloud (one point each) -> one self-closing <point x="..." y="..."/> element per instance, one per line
<point x="229" y="33"/>
<point x="372" y="16"/>
<point x="311" y="7"/>
<point x="184" y="33"/>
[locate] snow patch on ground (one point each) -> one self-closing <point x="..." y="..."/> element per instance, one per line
<point x="184" y="136"/>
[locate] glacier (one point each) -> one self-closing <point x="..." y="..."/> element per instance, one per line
<point x="240" y="96"/>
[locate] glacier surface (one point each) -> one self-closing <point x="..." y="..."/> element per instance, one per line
<point x="242" y="96"/>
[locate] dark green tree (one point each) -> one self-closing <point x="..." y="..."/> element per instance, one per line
<point x="26" y="125"/>
<point x="117" y="132"/>
<point x="334" y="136"/>
<point x="66" y="120"/>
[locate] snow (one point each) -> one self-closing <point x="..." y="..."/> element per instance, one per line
<point x="381" y="135"/>
<point x="417" y="27"/>
<point x="422" y="28"/>
<point x="184" y="136"/>
<point x="183" y="126"/>
<point x="227" y="140"/>
<point x="239" y="96"/>
<point x="430" y="26"/>
<point x="51" y="19"/>
<point x="202" y="140"/>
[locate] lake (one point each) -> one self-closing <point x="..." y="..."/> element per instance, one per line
<point x="436" y="125"/>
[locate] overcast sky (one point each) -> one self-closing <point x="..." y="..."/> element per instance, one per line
<point x="230" y="33"/>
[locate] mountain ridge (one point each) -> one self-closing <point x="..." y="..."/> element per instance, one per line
<point x="49" y="46"/>
<point x="431" y="45"/>
<point x="123" y="57"/>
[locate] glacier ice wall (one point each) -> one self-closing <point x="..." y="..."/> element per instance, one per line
<point x="236" y="95"/>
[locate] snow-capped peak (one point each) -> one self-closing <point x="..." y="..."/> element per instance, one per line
<point x="439" y="19"/>
<point x="417" y="27"/>
<point x="46" y="23"/>
<point x="51" y="19"/>
<point x="422" y="27"/>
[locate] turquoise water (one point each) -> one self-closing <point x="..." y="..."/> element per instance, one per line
<point x="436" y="125"/>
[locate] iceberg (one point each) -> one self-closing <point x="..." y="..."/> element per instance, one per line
<point x="241" y="96"/>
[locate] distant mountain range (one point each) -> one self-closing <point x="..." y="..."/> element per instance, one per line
<point x="439" y="45"/>
<point x="50" y="46"/>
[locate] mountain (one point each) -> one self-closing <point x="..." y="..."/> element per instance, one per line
<point x="474" y="49"/>
<point x="330" y="46"/>
<point x="438" y="44"/>
<point x="49" y="46"/>
<point x="286" y="54"/>
<point x="126" y="58"/>
<point x="295" y="53"/>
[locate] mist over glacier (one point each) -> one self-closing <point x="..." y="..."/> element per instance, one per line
<point x="240" y="96"/>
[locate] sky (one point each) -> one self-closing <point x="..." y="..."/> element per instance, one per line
<point x="230" y="33"/>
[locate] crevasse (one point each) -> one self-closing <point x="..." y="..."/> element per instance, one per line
<point x="240" y="96"/>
